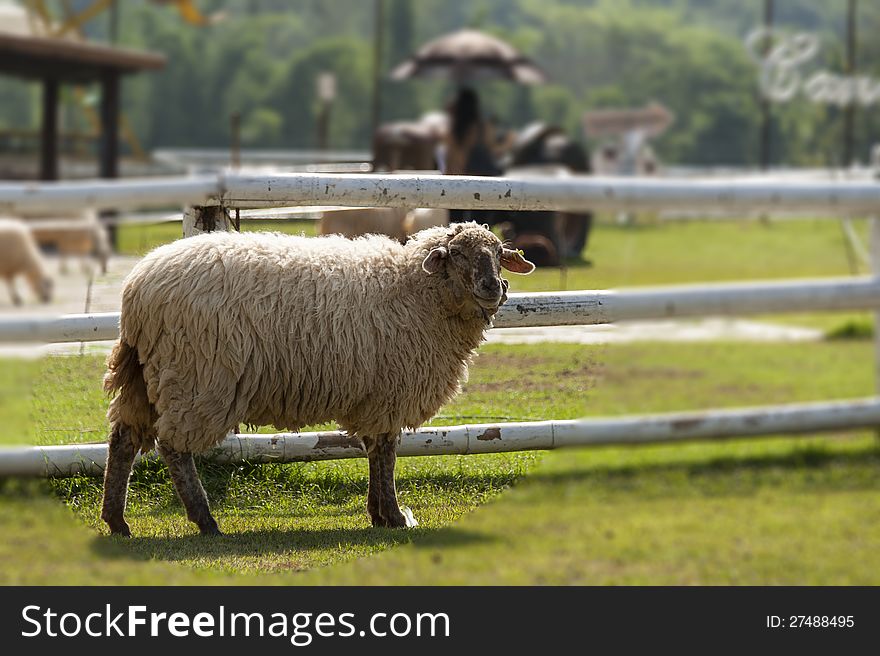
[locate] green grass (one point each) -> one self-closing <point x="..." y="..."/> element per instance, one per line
<point x="775" y="510"/>
<point x="650" y="253"/>
<point x="781" y="510"/>
<point x="659" y="253"/>
<point x="760" y="513"/>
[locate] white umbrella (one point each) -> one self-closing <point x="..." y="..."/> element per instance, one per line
<point x="467" y="55"/>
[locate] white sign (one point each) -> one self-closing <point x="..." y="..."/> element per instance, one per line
<point x="326" y="86"/>
<point x="782" y="76"/>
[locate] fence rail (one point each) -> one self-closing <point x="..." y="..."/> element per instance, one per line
<point x="245" y="190"/>
<point x="90" y="459"/>
<point x="242" y="190"/>
<point x="559" y="308"/>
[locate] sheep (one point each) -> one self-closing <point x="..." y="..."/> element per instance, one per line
<point x="74" y="238"/>
<point x="358" y="221"/>
<point x="223" y="329"/>
<point x="397" y="223"/>
<point x="19" y="256"/>
<point x="420" y="218"/>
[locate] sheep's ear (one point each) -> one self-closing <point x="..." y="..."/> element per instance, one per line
<point x="436" y="260"/>
<point x="514" y="261"/>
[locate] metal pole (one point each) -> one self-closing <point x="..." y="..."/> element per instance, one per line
<point x="849" y="115"/>
<point x="378" y="38"/>
<point x="49" y="136"/>
<point x="324" y="125"/>
<point x="109" y="145"/>
<point x="575" y="308"/>
<point x="765" y="102"/>
<point x="875" y="269"/>
<point x="797" y="418"/>
<point x="235" y="140"/>
<point x="628" y="194"/>
<point x="813" y="197"/>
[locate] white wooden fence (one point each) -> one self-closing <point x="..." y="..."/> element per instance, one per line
<point x="244" y="190"/>
<point x="240" y="190"/>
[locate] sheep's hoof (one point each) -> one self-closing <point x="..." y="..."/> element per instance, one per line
<point x="401" y="519"/>
<point x="120" y="529"/>
<point x="211" y="530"/>
<point x="408" y="516"/>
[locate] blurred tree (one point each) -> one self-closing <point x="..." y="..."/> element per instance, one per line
<point x="399" y="99"/>
<point x="295" y="98"/>
<point x="262" y="61"/>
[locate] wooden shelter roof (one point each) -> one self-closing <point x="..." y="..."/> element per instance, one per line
<point x="70" y="60"/>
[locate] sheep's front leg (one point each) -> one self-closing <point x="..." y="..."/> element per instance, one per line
<point x="13" y="292"/>
<point x="189" y="488"/>
<point x="120" y="457"/>
<point x="382" y="504"/>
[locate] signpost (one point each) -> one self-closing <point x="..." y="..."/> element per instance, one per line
<point x="632" y="127"/>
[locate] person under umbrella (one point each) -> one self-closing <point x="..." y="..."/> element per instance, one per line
<point x="464" y="56"/>
<point x="470" y="146"/>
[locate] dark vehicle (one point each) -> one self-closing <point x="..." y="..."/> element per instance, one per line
<point x="547" y="237"/>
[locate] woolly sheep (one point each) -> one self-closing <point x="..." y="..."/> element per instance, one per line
<point x="76" y="238"/>
<point x="357" y="221"/>
<point x="424" y="217"/>
<point x="227" y="328"/>
<point x="19" y="256"/>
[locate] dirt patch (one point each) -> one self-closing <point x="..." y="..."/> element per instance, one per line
<point x="745" y="389"/>
<point x="621" y="374"/>
<point x="531" y="373"/>
<point x="534" y="385"/>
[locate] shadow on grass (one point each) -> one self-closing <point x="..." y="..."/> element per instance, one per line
<point x="263" y="541"/>
<point x="330" y="486"/>
<point x="812" y="468"/>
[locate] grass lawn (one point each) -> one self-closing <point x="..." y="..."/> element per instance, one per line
<point x="775" y="510"/>
<point x="780" y="510"/>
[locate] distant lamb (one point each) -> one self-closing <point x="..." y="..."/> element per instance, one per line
<point x="226" y="328"/>
<point x="422" y="218"/>
<point x="19" y="256"/>
<point x="74" y="237"/>
<point x="397" y="223"/>
<point x="358" y="221"/>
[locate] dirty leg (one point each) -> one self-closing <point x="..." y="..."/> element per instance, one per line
<point x="382" y="452"/>
<point x="373" y="503"/>
<point x="189" y="488"/>
<point x="120" y="457"/>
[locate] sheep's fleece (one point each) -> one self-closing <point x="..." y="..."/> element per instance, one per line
<point x="262" y="328"/>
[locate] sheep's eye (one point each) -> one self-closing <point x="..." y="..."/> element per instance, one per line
<point x="455" y="252"/>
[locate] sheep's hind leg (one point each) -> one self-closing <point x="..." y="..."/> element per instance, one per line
<point x="120" y="457"/>
<point x="382" y="452"/>
<point x="374" y="505"/>
<point x="189" y="488"/>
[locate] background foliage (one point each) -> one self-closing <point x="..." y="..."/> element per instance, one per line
<point x="263" y="59"/>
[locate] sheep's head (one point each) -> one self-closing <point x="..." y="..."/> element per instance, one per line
<point x="472" y="258"/>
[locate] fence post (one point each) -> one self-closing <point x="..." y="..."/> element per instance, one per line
<point x="209" y="218"/>
<point x="875" y="271"/>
